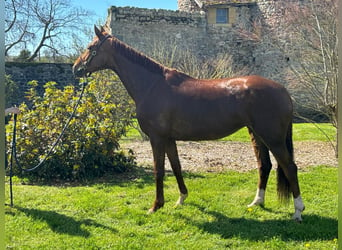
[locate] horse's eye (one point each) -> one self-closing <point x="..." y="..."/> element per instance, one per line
<point x="90" y="47"/>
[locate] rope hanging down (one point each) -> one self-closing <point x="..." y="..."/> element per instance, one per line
<point x="84" y="84"/>
<point x="13" y="146"/>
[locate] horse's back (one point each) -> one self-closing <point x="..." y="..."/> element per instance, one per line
<point x="235" y="94"/>
<point x="209" y="109"/>
<point x="237" y="87"/>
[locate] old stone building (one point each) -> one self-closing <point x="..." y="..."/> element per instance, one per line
<point x="207" y="28"/>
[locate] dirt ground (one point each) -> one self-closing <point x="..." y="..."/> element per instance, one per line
<point x="216" y="156"/>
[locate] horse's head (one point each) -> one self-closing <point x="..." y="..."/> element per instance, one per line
<point x="95" y="57"/>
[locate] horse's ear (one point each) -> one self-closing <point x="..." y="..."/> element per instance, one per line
<point x="98" y="32"/>
<point x="102" y="29"/>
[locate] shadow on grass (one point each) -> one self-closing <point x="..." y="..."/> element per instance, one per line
<point x="63" y="224"/>
<point x="313" y="227"/>
<point x="139" y="177"/>
<point x="121" y="179"/>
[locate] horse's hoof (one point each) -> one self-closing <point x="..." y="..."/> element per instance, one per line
<point x="297" y="219"/>
<point x="259" y="198"/>
<point x="155" y="207"/>
<point x="256" y="203"/>
<point x="181" y="199"/>
<point x="150" y="211"/>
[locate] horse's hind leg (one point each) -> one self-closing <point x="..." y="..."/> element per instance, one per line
<point x="288" y="179"/>
<point x="264" y="166"/>
<point x="172" y="154"/>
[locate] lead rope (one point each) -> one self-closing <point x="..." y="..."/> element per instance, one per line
<point x="13" y="149"/>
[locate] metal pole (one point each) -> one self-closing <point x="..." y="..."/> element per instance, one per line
<point x="12" y="157"/>
<point x="339" y="120"/>
<point x="2" y="124"/>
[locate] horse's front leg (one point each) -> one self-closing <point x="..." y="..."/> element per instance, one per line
<point x="172" y="154"/>
<point x="158" y="148"/>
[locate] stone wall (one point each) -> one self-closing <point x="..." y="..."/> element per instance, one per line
<point x="141" y="28"/>
<point x="22" y="73"/>
<point x="269" y="61"/>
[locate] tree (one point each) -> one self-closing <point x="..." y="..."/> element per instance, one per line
<point x="308" y="40"/>
<point x="16" y="23"/>
<point x="23" y="56"/>
<point x="42" y="24"/>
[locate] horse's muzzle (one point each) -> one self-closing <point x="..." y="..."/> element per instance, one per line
<point x="79" y="71"/>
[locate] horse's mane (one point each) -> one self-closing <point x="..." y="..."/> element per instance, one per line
<point x="137" y="57"/>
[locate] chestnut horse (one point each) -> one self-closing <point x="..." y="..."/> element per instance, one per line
<point x="171" y="105"/>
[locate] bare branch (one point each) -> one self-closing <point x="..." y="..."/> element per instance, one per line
<point x="46" y="22"/>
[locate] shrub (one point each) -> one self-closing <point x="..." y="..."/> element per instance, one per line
<point x="89" y="147"/>
<point x="184" y="59"/>
<point x="12" y="91"/>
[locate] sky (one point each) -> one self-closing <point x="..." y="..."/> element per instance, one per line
<point x="100" y="7"/>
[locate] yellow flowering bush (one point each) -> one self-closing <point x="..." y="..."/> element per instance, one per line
<point x="90" y="146"/>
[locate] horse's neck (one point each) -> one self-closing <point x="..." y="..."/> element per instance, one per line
<point x="137" y="77"/>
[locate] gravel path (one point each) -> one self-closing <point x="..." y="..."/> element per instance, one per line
<point x="216" y="156"/>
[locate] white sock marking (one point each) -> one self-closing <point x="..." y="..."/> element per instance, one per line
<point x="181" y="199"/>
<point x="299" y="208"/>
<point x="259" y="198"/>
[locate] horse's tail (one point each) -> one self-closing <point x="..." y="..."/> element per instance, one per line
<point x="283" y="188"/>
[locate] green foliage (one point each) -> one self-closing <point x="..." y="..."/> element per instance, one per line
<point x="23" y="56"/>
<point x="89" y="146"/>
<point x="12" y="92"/>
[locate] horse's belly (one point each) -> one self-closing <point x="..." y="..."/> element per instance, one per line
<point x="194" y="119"/>
<point x="205" y="127"/>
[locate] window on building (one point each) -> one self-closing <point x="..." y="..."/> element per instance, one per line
<point x="222" y="15"/>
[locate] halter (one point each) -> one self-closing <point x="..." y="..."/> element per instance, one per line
<point x="93" y="52"/>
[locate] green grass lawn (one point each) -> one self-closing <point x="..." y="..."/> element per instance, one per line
<point x="301" y="132"/>
<point x="112" y="214"/>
